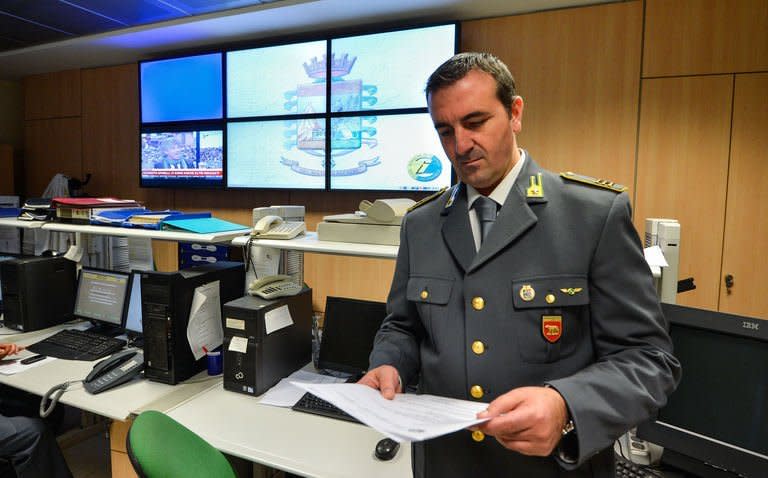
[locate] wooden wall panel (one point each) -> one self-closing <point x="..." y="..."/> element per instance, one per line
<point x="52" y="146"/>
<point x="52" y="95"/>
<point x="7" y="170"/>
<point x="111" y="135"/>
<point x="578" y="72"/>
<point x="746" y="220"/>
<point x="341" y="276"/>
<point x="695" y="37"/>
<point x="682" y="171"/>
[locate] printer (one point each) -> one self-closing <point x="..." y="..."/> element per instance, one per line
<point x="266" y="340"/>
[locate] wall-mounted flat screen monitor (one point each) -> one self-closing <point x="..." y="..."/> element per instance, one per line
<point x="264" y="154"/>
<point x="182" y="89"/>
<point x="387" y="70"/>
<point x="388" y="152"/>
<point x="191" y="157"/>
<point x="276" y="80"/>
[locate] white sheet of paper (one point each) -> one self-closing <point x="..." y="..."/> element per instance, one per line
<point x="654" y="257"/>
<point x="277" y="319"/>
<point x="408" y="417"/>
<point x="12" y="365"/>
<point x="204" y="328"/>
<point x="286" y="394"/>
<point x="239" y="344"/>
<point x="140" y="253"/>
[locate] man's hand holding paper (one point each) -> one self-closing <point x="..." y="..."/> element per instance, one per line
<point x="407" y="417"/>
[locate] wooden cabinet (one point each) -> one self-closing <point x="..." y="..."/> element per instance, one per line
<point x="701" y="160"/>
<point x="682" y="171"/>
<point x="746" y="218"/>
<point x="699" y="37"/>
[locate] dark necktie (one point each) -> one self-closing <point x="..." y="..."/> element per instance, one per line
<point x="486" y="214"/>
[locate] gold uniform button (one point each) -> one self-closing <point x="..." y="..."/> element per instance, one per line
<point x="478" y="303"/>
<point x="476" y="391"/>
<point x="550" y="298"/>
<point x="424" y="294"/>
<point x="478" y="347"/>
<point x="478" y="436"/>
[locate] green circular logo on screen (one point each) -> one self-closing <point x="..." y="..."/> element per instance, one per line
<point x="424" y="167"/>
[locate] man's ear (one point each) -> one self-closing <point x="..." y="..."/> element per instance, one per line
<point x="516" y="114"/>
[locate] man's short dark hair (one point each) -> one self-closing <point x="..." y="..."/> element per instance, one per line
<point x="460" y="64"/>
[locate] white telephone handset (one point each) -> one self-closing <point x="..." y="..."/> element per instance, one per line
<point x="271" y="287"/>
<point x="274" y="227"/>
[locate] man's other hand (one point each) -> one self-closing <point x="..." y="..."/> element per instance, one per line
<point x="384" y="378"/>
<point x="9" y="349"/>
<point x="528" y="420"/>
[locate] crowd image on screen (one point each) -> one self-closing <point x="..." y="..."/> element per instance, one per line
<point x="178" y="151"/>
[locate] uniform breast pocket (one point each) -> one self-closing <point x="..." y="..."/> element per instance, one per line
<point x="431" y="295"/>
<point x="550" y="316"/>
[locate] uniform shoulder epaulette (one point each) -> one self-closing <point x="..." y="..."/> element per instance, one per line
<point x="427" y="199"/>
<point x="600" y="183"/>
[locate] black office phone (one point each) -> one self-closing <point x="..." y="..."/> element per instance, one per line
<point x="115" y="370"/>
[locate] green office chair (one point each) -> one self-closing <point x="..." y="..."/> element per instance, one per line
<point x="161" y="447"/>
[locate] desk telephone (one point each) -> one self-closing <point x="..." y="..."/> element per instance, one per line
<point x="275" y="227"/>
<point x="115" y="370"/>
<point x="272" y="287"/>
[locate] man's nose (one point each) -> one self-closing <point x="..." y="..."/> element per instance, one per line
<point x="464" y="142"/>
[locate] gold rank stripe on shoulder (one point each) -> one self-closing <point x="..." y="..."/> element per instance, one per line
<point x="601" y="183"/>
<point x="427" y="199"/>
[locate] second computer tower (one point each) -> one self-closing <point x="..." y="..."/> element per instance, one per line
<point x="266" y="340"/>
<point x="166" y="301"/>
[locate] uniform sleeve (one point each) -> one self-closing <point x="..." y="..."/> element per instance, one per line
<point x="635" y="370"/>
<point x="397" y="342"/>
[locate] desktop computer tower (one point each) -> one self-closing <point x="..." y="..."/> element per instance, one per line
<point x="166" y="301"/>
<point x="266" y="340"/>
<point x="37" y="292"/>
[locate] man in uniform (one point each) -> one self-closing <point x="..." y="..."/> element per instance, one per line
<point x="523" y="289"/>
<point x="26" y="442"/>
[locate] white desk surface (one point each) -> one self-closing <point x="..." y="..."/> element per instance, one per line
<point x="296" y="442"/>
<point x="118" y="403"/>
<point x="308" y="242"/>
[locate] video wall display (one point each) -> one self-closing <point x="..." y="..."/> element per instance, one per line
<point x="337" y="113"/>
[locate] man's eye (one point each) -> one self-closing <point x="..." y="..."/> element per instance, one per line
<point x="476" y="124"/>
<point x="444" y="133"/>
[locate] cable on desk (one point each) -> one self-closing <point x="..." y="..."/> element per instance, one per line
<point x="54" y="394"/>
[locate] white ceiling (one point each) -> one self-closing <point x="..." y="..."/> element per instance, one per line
<point x="251" y="23"/>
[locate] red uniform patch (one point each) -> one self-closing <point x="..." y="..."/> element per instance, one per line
<point x="552" y="327"/>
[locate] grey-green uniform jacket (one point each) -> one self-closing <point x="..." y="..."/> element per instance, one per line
<point x="559" y="293"/>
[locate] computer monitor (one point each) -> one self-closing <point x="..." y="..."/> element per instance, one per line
<point x="133" y="324"/>
<point x="716" y="422"/>
<point x="349" y="327"/>
<point x="101" y="297"/>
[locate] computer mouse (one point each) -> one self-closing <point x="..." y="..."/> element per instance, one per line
<point x="386" y="449"/>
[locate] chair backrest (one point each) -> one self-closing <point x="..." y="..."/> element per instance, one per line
<point x="159" y="446"/>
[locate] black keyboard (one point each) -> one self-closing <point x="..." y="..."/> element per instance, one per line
<point x="628" y="469"/>
<point x="313" y="404"/>
<point x="73" y="344"/>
